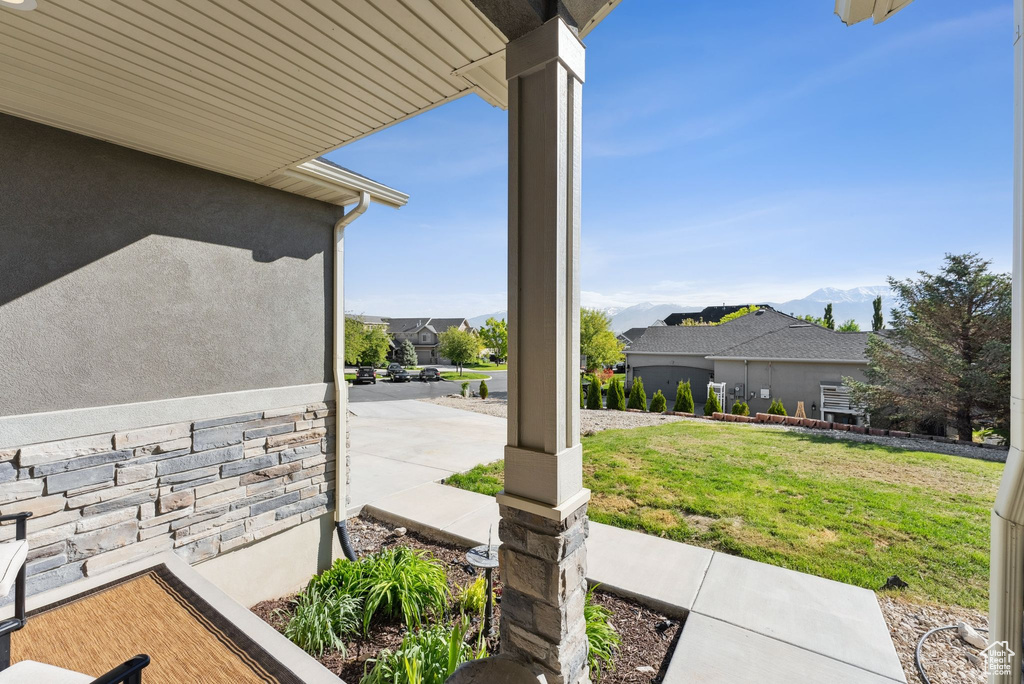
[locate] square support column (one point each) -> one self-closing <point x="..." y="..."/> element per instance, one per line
<point x="544" y="506"/>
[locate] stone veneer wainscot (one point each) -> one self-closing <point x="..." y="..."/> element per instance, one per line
<point x="201" y="488"/>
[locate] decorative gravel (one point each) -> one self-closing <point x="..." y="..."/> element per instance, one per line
<point x="595" y="421"/>
<point x="945" y="656"/>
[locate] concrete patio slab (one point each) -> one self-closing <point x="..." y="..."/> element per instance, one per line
<point x="472" y="529"/>
<point x="373" y="477"/>
<point x="429" y="508"/>
<point x="710" y="650"/>
<point x="665" y="574"/>
<point x="837" y="620"/>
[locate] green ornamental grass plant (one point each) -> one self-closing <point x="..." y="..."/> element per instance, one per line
<point x="472" y="598"/>
<point x="601" y="635"/>
<point x="425" y="656"/>
<point x="322" y="619"/>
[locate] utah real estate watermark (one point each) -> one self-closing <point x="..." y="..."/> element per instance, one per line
<point x="998" y="658"/>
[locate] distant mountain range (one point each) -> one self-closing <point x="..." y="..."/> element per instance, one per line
<point x="854" y="303"/>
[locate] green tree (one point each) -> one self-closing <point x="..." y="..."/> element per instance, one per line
<point x="684" y="398"/>
<point x="740" y="408"/>
<point x="877" y="322"/>
<point x="777" y="408"/>
<point x="849" y="325"/>
<point x="459" y="346"/>
<point x="594" y="393"/>
<point x="407" y="353"/>
<point x="658" y="403"/>
<point x="355" y="339"/>
<point x="598" y="343"/>
<point x="737" y="314"/>
<point x="829" y="322"/>
<point x="616" y="395"/>
<point x="712" y="405"/>
<point x="637" y="396"/>
<point x="946" y="357"/>
<point x="583" y="395"/>
<point x="376" y="345"/>
<point x="494" y="335"/>
<point x="812" y="319"/>
<point x="484" y="391"/>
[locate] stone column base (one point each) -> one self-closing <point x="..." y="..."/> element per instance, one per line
<point x="544" y="571"/>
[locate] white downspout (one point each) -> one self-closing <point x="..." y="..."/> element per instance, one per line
<point x="340" y="386"/>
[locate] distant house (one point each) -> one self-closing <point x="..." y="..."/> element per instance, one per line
<point x="710" y="314"/>
<point x="762" y="356"/>
<point x="630" y="336"/>
<point x="424" y="334"/>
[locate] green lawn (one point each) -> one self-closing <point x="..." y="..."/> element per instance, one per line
<point x="466" y="375"/>
<point x="848" y="511"/>
<point x="487" y="365"/>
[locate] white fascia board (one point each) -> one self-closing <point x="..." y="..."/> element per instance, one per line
<point x="753" y="358"/>
<point x="318" y="171"/>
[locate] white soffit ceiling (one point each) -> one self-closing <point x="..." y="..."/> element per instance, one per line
<point x="853" y="11"/>
<point x="249" y="88"/>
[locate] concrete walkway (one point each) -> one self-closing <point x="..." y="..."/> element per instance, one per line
<point x="745" y="621"/>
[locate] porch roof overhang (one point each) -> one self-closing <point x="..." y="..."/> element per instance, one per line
<point x="260" y="89"/>
<point x="854" y="11"/>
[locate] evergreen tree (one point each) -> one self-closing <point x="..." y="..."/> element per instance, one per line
<point x="740" y="408"/>
<point x="777" y="408"/>
<point x="594" y="393"/>
<point x="712" y="405"/>
<point x="483" y="389"/>
<point x="407" y="353"/>
<point x="616" y="395"/>
<point x="658" y="403"/>
<point x="877" y="322"/>
<point x="684" y="398"/>
<point x="637" y="396"/>
<point x="830" y="322"/>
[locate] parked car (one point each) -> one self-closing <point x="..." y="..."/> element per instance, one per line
<point x="430" y="375"/>
<point x="393" y="367"/>
<point x="365" y="374"/>
<point x="400" y="375"/>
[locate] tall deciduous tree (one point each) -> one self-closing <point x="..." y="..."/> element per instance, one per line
<point x="460" y="346"/>
<point x="877" y="322"/>
<point x="597" y="342"/>
<point x="828" y="320"/>
<point x="376" y="344"/>
<point x="407" y="354"/>
<point x="849" y="325"/>
<point x="494" y="335"/>
<point x="355" y="340"/>
<point x="946" y="358"/>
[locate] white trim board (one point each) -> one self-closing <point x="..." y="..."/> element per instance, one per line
<point x="33" y="428"/>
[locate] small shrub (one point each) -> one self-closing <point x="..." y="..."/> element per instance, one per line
<point x="684" y="398"/>
<point x="465" y="389"/>
<point x="658" y="403"/>
<point x="740" y="408"/>
<point x="616" y="396"/>
<point x="472" y="599"/>
<point x="484" y="391"/>
<point x="425" y="656"/>
<point x="604" y="375"/>
<point x="322" y="619"/>
<point x="637" y="396"/>
<point x="583" y="395"/>
<point x="777" y="408"/>
<point x="712" y="405"/>
<point x="594" y="393"/>
<point x="601" y="635"/>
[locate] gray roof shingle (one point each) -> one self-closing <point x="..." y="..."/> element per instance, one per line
<point x="804" y="342"/>
<point x="704" y="340"/>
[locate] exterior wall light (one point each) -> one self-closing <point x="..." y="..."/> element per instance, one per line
<point x="23" y="5"/>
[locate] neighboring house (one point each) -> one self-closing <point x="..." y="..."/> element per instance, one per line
<point x="710" y="314"/>
<point x="630" y="336"/>
<point x="762" y="356"/>
<point x="424" y="333"/>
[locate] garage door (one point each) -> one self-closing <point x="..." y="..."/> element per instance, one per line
<point x="667" y="378"/>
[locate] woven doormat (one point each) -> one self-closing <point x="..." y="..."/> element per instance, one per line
<point x="154" y="613"/>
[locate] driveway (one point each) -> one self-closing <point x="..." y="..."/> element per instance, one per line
<point x="399" y="445"/>
<point x="385" y="390"/>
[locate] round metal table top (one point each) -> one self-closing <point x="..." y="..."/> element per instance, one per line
<point x="483" y="556"/>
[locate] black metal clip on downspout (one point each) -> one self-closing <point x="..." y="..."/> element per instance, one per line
<point x="18" y="621"/>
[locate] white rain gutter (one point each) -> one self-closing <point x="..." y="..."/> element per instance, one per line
<point x="340" y="386"/>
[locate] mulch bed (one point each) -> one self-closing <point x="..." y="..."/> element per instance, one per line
<point x="648" y="638"/>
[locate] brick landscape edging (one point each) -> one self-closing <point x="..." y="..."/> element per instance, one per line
<point x="199" y="488"/>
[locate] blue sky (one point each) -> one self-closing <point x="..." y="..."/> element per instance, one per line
<point x="732" y="151"/>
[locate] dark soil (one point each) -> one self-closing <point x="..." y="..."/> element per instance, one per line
<point x="648" y="638"/>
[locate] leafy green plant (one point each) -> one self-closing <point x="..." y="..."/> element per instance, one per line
<point x="399" y="582"/>
<point x="484" y="390"/>
<point x="776" y="408"/>
<point x="740" y="408"/>
<point x="658" y="403"/>
<point x="616" y="399"/>
<point x="472" y="598"/>
<point x="637" y="396"/>
<point x="583" y="394"/>
<point x="465" y="389"/>
<point x="684" y="398"/>
<point x="601" y="635"/>
<point x="594" y="393"/>
<point x="322" y="619"/>
<point x="712" y="405"/>
<point x="425" y="656"/>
